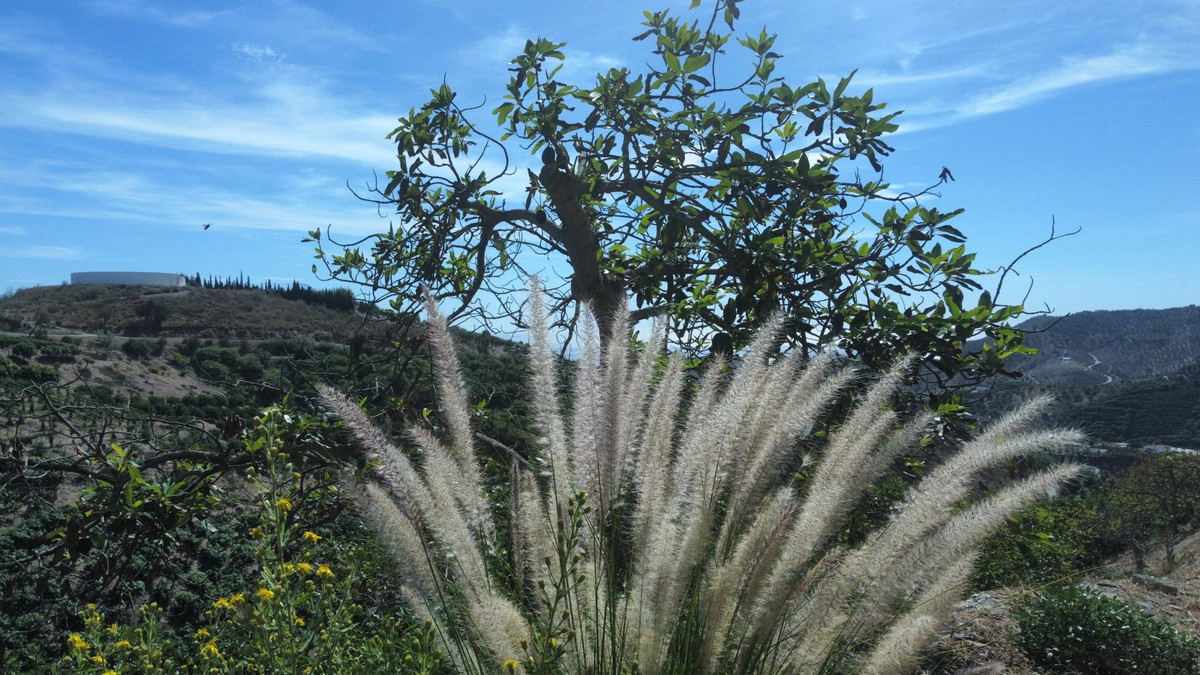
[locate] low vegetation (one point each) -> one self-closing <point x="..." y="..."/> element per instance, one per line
<point x="1074" y="629"/>
<point x="186" y="563"/>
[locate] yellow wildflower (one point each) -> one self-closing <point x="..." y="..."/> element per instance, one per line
<point x="324" y="571"/>
<point x="289" y="567"/>
<point x="312" y="537"/>
<point x="223" y="603"/>
<point x="110" y="672"/>
<point x="509" y="666"/>
<point x="76" y="643"/>
<point x="265" y="594"/>
<point x="237" y="599"/>
<point x="255" y="532"/>
<point x="284" y="504"/>
<point x="304" y="568"/>
<point x="202" y="633"/>
<point x="97" y="659"/>
<point x="123" y="644"/>
<point x="299" y="621"/>
<point x="210" y="649"/>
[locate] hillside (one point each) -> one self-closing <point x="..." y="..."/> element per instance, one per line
<point x="171" y="312"/>
<point x="1110" y="347"/>
<point x="205" y="361"/>
<point x="1130" y="376"/>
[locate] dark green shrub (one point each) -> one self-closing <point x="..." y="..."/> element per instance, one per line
<point x="213" y="370"/>
<point x="1074" y="629"/>
<point x="1044" y="543"/>
<point x="25" y="349"/>
<point x="54" y="352"/>
<point x="225" y="355"/>
<point x="179" y="360"/>
<point x="249" y="367"/>
<point x="189" y="345"/>
<point x="136" y="349"/>
<point x="36" y="373"/>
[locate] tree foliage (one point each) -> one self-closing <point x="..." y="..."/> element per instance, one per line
<point x="1159" y="496"/>
<point x="710" y="192"/>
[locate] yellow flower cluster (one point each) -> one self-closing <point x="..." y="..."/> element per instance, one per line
<point x="77" y="644"/>
<point x="312" y="537"/>
<point x="284" y="504"/>
<point x="230" y="602"/>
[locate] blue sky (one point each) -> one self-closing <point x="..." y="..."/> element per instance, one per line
<point x="126" y="125"/>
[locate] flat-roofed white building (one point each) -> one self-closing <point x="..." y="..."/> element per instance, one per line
<point x="129" y="278"/>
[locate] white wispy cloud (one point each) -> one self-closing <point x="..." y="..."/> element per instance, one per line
<point x="43" y="252"/>
<point x="258" y="52"/>
<point x="158" y="12"/>
<point x="1129" y="62"/>
<point x="12" y="229"/>
<point x="291" y="121"/>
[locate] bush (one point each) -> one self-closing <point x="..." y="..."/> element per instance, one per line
<point x="53" y="352"/>
<point x="25" y="349"/>
<point x="311" y="605"/>
<point x="35" y="373"/>
<point x="1043" y="543"/>
<point x="225" y="355"/>
<point x="179" y="360"/>
<point x="249" y="367"/>
<point x="1074" y="629"/>
<point x="213" y="370"/>
<point x="136" y="349"/>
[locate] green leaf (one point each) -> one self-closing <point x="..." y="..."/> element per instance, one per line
<point x="695" y="62"/>
<point x="672" y="62"/>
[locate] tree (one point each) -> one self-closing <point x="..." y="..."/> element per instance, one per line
<point x="692" y="191"/>
<point x="153" y="313"/>
<point x="1159" y="495"/>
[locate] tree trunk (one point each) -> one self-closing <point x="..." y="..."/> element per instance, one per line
<point x="589" y="284"/>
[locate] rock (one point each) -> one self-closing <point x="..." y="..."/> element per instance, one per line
<point x="1156" y="584"/>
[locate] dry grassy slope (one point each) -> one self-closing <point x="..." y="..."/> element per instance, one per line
<point x="205" y="313"/>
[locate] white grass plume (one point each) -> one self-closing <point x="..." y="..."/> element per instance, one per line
<point x="666" y="540"/>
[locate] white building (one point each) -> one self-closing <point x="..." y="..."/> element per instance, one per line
<point x="129" y="278"/>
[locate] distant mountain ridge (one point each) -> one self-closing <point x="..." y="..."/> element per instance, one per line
<point x="1128" y="376"/>
<point x="1108" y="347"/>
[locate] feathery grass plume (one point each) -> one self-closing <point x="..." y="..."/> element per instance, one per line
<point x="659" y="541"/>
<point x="584" y="432"/>
<point x="545" y="398"/>
<point x="470" y="495"/>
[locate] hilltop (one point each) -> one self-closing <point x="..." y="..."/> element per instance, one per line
<point x="171" y="312"/>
